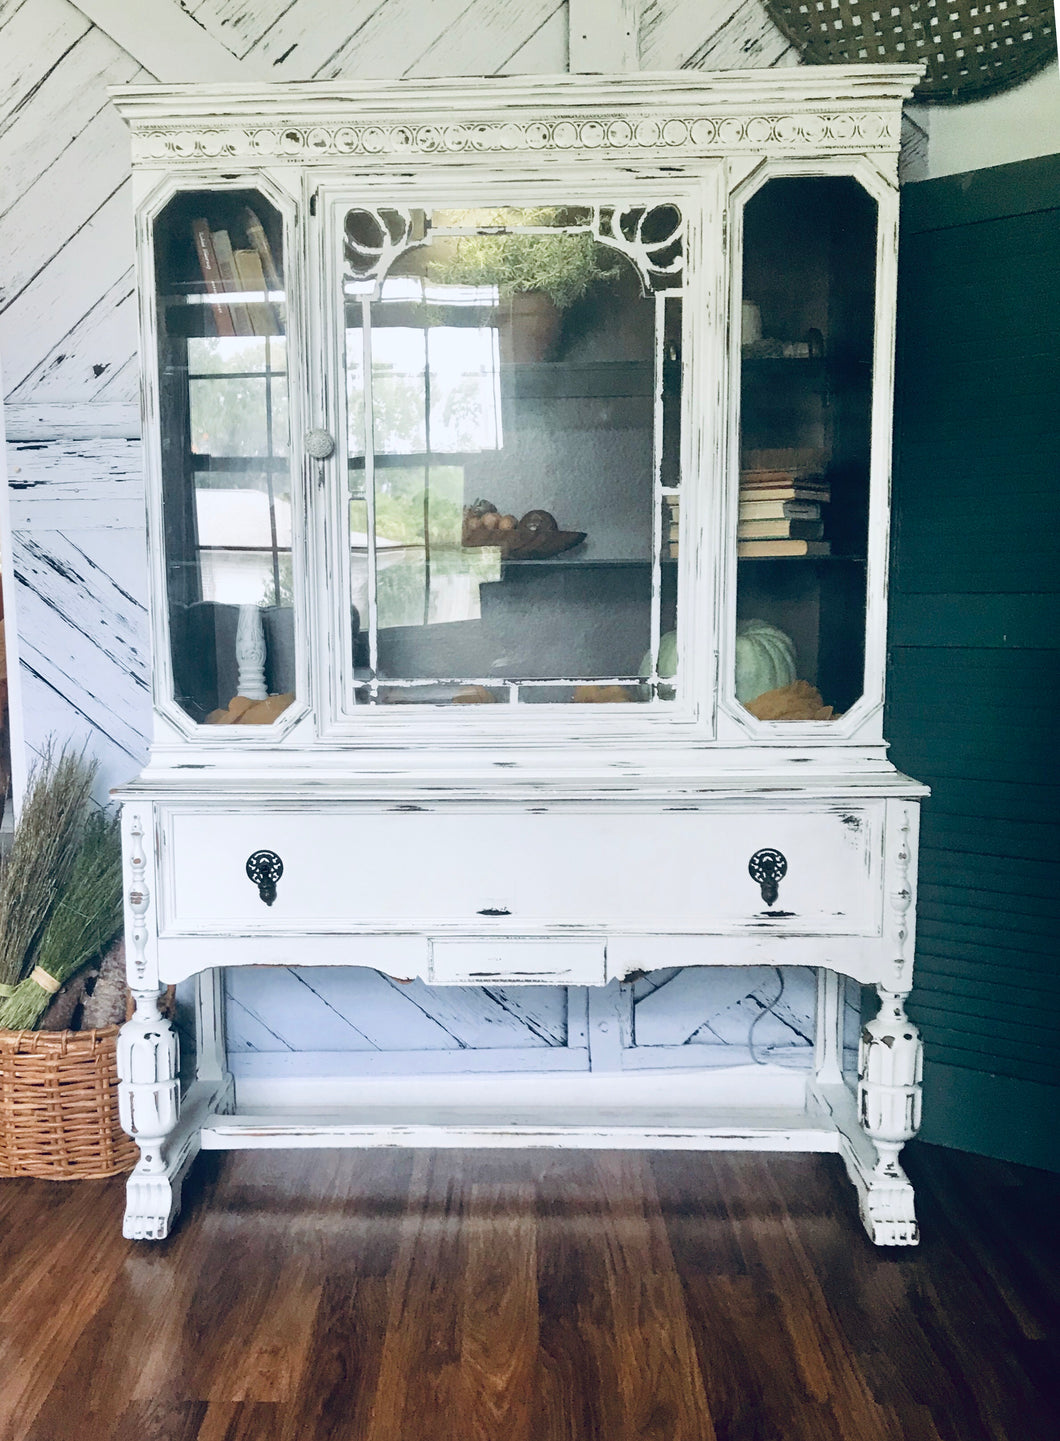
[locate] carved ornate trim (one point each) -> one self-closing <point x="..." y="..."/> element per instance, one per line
<point x="792" y="133"/>
<point x="901" y="893"/>
<point x="139" y="899"/>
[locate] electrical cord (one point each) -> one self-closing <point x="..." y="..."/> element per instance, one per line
<point x="765" y="1011"/>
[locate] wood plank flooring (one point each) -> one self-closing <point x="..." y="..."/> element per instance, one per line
<point x="533" y="1296"/>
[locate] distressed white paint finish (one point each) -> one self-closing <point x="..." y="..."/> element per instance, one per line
<point x="604" y="35"/>
<point x="84" y="421"/>
<point x="545" y="52"/>
<point x="65" y="96"/>
<point x="55" y="332"/>
<point x="35" y="37"/>
<point x="55" y="71"/>
<point x="710" y="35"/>
<point x="610" y="867"/>
<point x="64" y="330"/>
<point x="484" y="39"/>
<point x="77" y="483"/>
<point x="236" y="24"/>
<point x="15" y="698"/>
<point x="36" y="229"/>
<point x="548" y="863"/>
<point x="166" y="39"/>
<point x="83" y="649"/>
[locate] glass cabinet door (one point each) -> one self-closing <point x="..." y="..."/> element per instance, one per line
<point x="226" y="486"/>
<point x="807" y="321"/>
<point x="513" y="382"/>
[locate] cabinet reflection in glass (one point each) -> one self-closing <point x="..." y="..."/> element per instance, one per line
<point x="513" y="415"/>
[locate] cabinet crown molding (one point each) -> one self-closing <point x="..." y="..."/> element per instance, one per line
<point x="782" y="112"/>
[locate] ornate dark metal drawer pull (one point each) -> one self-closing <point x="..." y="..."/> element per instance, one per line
<point x="265" y="868"/>
<point x="768" y="868"/>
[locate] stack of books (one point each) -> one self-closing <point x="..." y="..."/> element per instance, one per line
<point x="238" y="277"/>
<point x="671" y="526"/>
<point x="780" y="509"/>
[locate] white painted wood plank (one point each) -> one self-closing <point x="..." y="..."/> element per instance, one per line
<point x="34" y="327"/>
<point x="778" y="1012"/>
<point x="545" y="53"/>
<point x="35" y="229"/>
<point x="411" y="1015"/>
<point x="671" y="30"/>
<point x="47" y="714"/>
<point x="76" y="484"/>
<point x="67" y="421"/>
<point x="383" y="1014"/>
<point x="247" y="1032"/>
<point x="745" y="40"/>
<point x="72" y="352"/>
<point x="392" y="40"/>
<point x="166" y="40"/>
<point x="37" y="131"/>
<point x="672" y="1014"/>
<point x="542" y="1009"/>
<point x="608" y="1028"/>
<point x="281" y="1001"/>
<point x="236" y="24"/>
<point x="307" y="36"/>
<point x="603" y="35"/>
<point x="736" y="1130"/>
<point x="474" y="1017"/>
<point x="647" y="985"/>
<point x="120" y="384"/>
<point x="34" y="42"/>
<point x="738" y="1085"/>
<point x="483" y="38"/>
<point x="261" y="1063"/>
<point x="16" y="706"/>
<point x="697" y="1057"/>
<point x="82" y="634"/>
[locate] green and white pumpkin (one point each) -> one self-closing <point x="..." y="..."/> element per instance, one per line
<point x="765" y="659"/>
<point x="667" y="667"/>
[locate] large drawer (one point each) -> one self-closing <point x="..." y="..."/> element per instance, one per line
<point x="600" y="870"/>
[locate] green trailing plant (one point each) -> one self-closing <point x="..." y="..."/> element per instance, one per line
<point x="85" y="918"/>
<point x="43" y="850"/>
<point x="563" y="265"/>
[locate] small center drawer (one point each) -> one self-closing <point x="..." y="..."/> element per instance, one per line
<point x="516" y="962"/>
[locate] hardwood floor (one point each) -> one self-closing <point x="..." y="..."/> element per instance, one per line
<point x="532" y="1296"/>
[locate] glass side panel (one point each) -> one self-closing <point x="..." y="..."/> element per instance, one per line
<point x="225" y="470"/>
<point x="808" y="317"/>
<point x="513" y="385"/>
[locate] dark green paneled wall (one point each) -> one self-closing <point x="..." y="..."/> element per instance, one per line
<point x="974" y="674"/>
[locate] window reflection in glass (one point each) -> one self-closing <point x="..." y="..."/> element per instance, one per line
<point x="504" y="449"/>
<point x="225" y="442"/>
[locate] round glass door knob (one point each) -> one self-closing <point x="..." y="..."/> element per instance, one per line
<point x="319" y="444"/>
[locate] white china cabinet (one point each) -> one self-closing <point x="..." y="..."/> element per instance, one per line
<point x="517" y="460"/>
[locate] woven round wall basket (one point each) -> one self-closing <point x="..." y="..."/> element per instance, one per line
<point x="59" y="1106"/>
<point x="971" y="47"/>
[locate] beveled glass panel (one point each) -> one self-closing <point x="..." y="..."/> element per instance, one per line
<point x="225" y="441"/>
<point x="808" y="321"/>
<point x="513" y="387"/>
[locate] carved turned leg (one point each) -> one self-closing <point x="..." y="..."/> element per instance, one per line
<point x="149" y="1105"/>
<point x="890" y="1066"/>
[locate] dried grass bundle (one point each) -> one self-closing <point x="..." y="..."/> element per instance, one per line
<point x="85" y="918"/>
<point x="43" y="851"/>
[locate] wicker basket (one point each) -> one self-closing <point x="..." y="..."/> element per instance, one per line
<point x="59" y="1105"/>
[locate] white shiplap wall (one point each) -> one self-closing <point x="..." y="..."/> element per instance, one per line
<point x="77" y="568"/>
